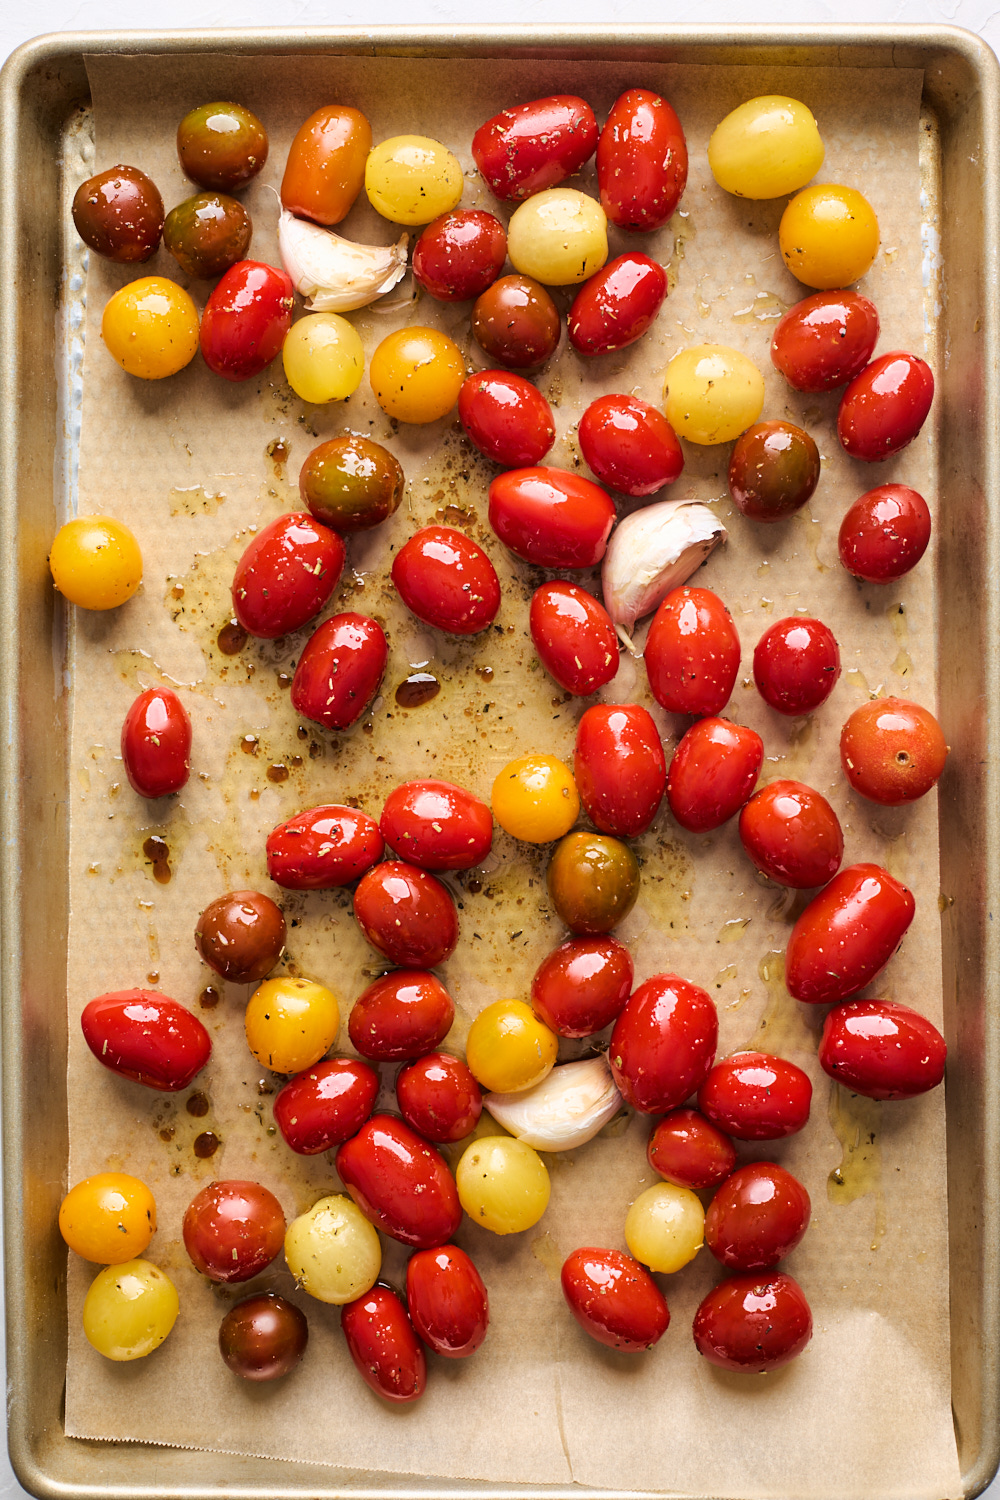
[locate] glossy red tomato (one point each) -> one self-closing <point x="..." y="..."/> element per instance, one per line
<point x="752" y="1323"/>
<point x="882" y="1049"/>
<point x="446" y="580"/>
<point x="885" y="406"/>
<point x="245" y="320"/>
<point x="847" y="934"/>
<point x="286" y="575"/>
<point x="437" y="825"/>
<point x="792" y="834"/>
<point x="756" y="1097"/>
<point x="892" y="751"/>
<point x="460" y="254"/>
<point x="619" y="768"/>
<point x="534" y="146"/>
<point x="885" y="533"/>
<point x="156" y="743"/>
<point x="582" y="986"/>
<point x="387" y="1353"/>
<point x="692" y="652"/>
<point x="825" y="340"/>
<point x="796" y="664"/>
<point x="323" y="847"/>
<point x="616" y="306"/>
<point x="439" y="1097"/>
<point x="233" y="1230"/>
<point x="146" y="1037"/>
<point x="402" y="1015"/>
<point x="407" y="915"/>
<point x="663" y="1043"/>
<point x="447" y="1301"/>
<point x="339" y="670"/>
<point x="614" y="1299"/>
<point x="712" y="773"/>
<point x="574" y="637"/>
<point x="630" y="445"/>
<point x="551" y="517"/>
<point x="757" y="1217"/>
<point x="689" y="1151"/>
<point x="642" y="161"/>
<point x="400" y="1183"/>
<point x="326" y="1105"/>
<point x="507" y="418"/>
<point x="516" y="322"/>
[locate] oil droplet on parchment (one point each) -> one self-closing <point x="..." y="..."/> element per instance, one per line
<point x="795" y="762"/>
<point x="856" y="1123"/>
<point x="733" y="930"/>
<point x="547" y="1253"/>
<point x="896" y="614"/>
<point x="781" y="1028"/>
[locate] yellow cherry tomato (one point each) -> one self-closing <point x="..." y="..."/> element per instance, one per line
<point x="766" y="148"/>
<point x="828" y="236"/>
<point x="151" y="327"/>
<point x="411" y="179"/>
<point x="416" y="374"/>
<point x="535" y="799"/>
<point x="502" y="1184"/>
<point x="333" y="1251"/>
<point x="324" y="358"/>
<point x="95" y="562"/>
<point x="109" y="1218"/>
<point x="291" y="1023"/>
<point x="665" y="1227"/>
<point x="559" y="236"/>
<point x="712" y="393"/>
<point x="508" y="1048"/>
<point x="129" y="1310"/>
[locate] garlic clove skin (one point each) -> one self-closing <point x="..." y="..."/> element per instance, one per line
<point x="651" y="552"/>
<point x="334" y="274"/>
<point x="568" y="1107"/>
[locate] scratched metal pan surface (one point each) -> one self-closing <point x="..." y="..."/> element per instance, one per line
<point x="42" y="90"/>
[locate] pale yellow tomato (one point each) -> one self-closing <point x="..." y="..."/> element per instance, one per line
<point x="712" y="393"/>
<point x="559" y="237"/>
<point x="535" y="799"/>
<point x="828" y="236"/>
<point x="324" y="358"/>
<point x="333" y="1251"/>
<point x="150" y="327"/>
<point x="502" y="1184"/>
<point x="665" y="1227"/>
<point x="291" y="1023"/>
<point x="508" y="1048"/>
<point x="416" y="374"/>
<point x="109" y="1218"/>
<point x="411" y="179"/>
<point x="766" y="148"/>
<point x="129" y="1310"/>
<point x="95" y="562"/>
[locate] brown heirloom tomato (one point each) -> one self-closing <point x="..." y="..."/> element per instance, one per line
<point x="221" y="146"/>
<point x="847" y="934"/>
<point x="885" y="406"/>
<point x="407" y="915"/>
<point x="516" y="322"/>
<point x="233" y="1230"/>
<point x="286" y="575"/>
<point x="400" y="1183"/>
<point x="534" y="146"/>
<point x="401" y="1016"/>
<point x="885" y="533"/>
<point x="773" y="470"/>
<point x="507" y="418"/>
<point x="446" y="580"/>
<point x="447" y="1301"/>
<point x="753" y="1322"/>
<point x="574" y="637"/>
<point x="351" y="483"/>
<point x="207" y="234"/>
<point x="551" y="517"/>
<point x="614" y="1299"/>
<point x="796" y="665"/>
<point x="119" y="213"/>
<point x="692" y="652"/>
<point x="246" y="319"/>
<point x="593" y="882"/>
<point x="756" y="1097"/>
<point x="325" y="170"/>
<point x="642" y="161"/>
<point x="147" y="1037"/>
<point x="436" y="825"/>
<point x="630" y="445"/>
<point x="339" y="670"/>
<point x="263" y="1337"/>
<point x="882" y="1049"/>
<point x="615" y="307"/>
<point x="583" y="985"/>
<point x="460" y="254"/>
<point x="241" y="936"/>
<point x="757" y="1217"/>
<point x="713" y="771"/>
<point x="322" y="848"/>
<point x="689" y="1151"/>
<point x="619" y="768"/>
<point x="386" y="1352"/>
<point x="825" y="340"/>
<point x="663" y="1043"/>
<point x="439" y="1097"/>
<point x="892" y="751"/>
<point x="792" y="834"/>
<point x="156" y="743"/>
<point x="326" y="1105"/>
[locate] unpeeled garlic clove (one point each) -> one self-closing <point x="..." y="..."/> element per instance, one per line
<point x="334" y="274"/>
<point x="652" y="551"/>
<point x="568" y="1107"/>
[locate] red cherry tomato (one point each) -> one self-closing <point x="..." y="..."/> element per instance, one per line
<point x="692" y="652"/>
<point x="642" y="161"/>
<point x="825" y="340"/>
<point x="439" y="1097"/>
<point x="551" y="517"/>
<point x="885" y="406"/>
<point x="534" y="146"/>
<point x="630" y="446"/>
<point x="574" y="637"/>
<point x="892" y="751"/>
<point x="447" y="1301"/>
<point x="796" y="664"/>
<point x="339" y="670"/>
<point x="792" y="834"/>
<point x="460" y="254"/>
<point x="882" y="1049"/>
<point x="689" y="1151"/>
<point x="436" y="825"/>
<point x="146" y="1037"/>
<point x="619" y="768"/>
<point x="156" y="743"/>
<point x="407" y="915"/>
<point x="400" y="1183"/>
<point x="233" y="1230"/>
<point x="753" y="1323"/>
<point x="246" y="319"/>
<point x="402" y="1015"/>
<point x="507" y="418"/>
<point x="583" y="985"/>
<point x="756" y="1097"/>
<point x="846" y="935"/>
<point x="757" y="1217"/>
<point x="663" y="1043"/>
<point x="323" y="847"/>
<point x="446" y="580"/>
<point x="616" y="306"/>
<point x="286" y="575"/>
<point x="387" y="1353"/>
<point x="326" y="1104"/>
<point x="713" y="771"/>
<point x="885" y="533"/>
<point x="516" y="322"/>
<point x="614" y="1299"/>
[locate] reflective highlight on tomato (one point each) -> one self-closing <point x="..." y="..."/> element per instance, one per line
<point x="882" y="1049"/>
<point x="233" y="1230"/>
<point x="326" y="1104"/>
<point x="147" y="1037"/>
<point x="582" y="986"/>
<point x="407" y="915"/>
<point x="756" y="1097"/>
<point x="386" y="1352"/>
<point x="460" y="255"/>
<point x="712" y="773"/>
<point x="323" y="847"/>
<point x="617" y="305"/>
<point x="400" y="1183"/>
<point x="325" y="169"/>
<point x="574" y="637"/>
<point x="796" y="665"/>
<point x="642" y="161"/>
<point x="534" y="146"/>
<point x="630" y="445"/>
<point x="892" y="751"/>
<point x="263" y="1337"/>
<point x="401" y="1015"/>
<point x="439" y="1097"/>
<point x="825" y="340"/>
<point x="692" y="652"/>
<point x="246" y="319"/>
<point x="663" y="1043"/>
<point x="885" y="406"/>
<point x="614" y="1299"/>
<point x="620" y="768"/>
<point x="516" y="322"/>
<point x="507" y="418"/>
<point x="551" y="517"/>
<point x="156" y="743"/>
<point x="446" y="580"/>
<point x="847" y="934"/>
<point x="688" y="1150"/>
<point x="757" y="1217"/>
<point x="792" y="834"/>
<point x="885" y="533"/>
<point x="286" y="575"/>
<point x="339" y="670"/>
<point x="752" y="1323"/>
<point x="447" y="1301"/>
<point x="437" y="825"/>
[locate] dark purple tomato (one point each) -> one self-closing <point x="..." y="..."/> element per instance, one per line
<point x="773" y="470"/>
<point x="825" y="340"/>
<point x="241" y="936"/>
<point x="615" y="307"/>
<point x="847" y="934"/>
<point x="402" y="1015"/>
<point x="630" y="445"/>
<point x="619" y="768"/>
<point x="614" y="1299"/>
<point x="792" y="834"/>
<point x="885" y="406"/>
<point x="460" y="254"/>
<point x="712" y="773"/>
<point x="326" y="1104"/>
<point x="689" y="1151"/>
<point x="437" y="825"/>
<point x="752" y="1323"/>
<point x="322" y="848"/>
<point x="263" y="1337"/>
<point x="351" y="483"/>
<point x="756" y="1097"/>
<point x="692" y="652"/>
<point x="446" y="580"/>
<point x="663" y="1043"/>
<point x="516" y="322"/>
<point x="796" y="664"/>
<point x="119" y="213"/>
<point x="156" y="743"/>
<point x="593" y="882"/>
<point x="221" y="146"/>
<point x="439" y="1097"/>
<point x="400" y="1183"/>
<point x="574" y="637"/>
<point x="892" y="751"/>
<point x="147" y="1037"/>
<point x="407" y="915"/>
<point x="551" y="517"/>
<point x="286" y="575"/>
<point x="757" y="1217"/>
<point x="507" y="418"/>
<point x="339" y="670"/>
<point x="447" y="1301"/>
<point x="583" y="985"/>
<point x="207" y="234"/>
<point x="534" y="146"/>
<point x="642" y="161"/>
<point x="246" y="319"/>
<point x="882" y="1049"/>
<point x="885" y="533"/>
<point x="233" y="1230"/>
<point x="386" y="1352"/>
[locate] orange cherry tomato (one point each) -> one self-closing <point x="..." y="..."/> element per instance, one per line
<point x="325" y="170"/>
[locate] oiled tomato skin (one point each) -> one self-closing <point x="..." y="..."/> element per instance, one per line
<point x="796" y="665"/>
<point x="712" y="773"/>
<point x="885" y="406"/>
<point x="753" y="1322"/>
<point x="688" y="1150"/>
<point x="339" y="670"/>
<point x="892" y="751"/>
<point x="619" y="768"/>
<point x="756" y="1097"/>
<point x="156" y="743"/>
<point x="692" y="653"/>
<point x="663" y="1044"/>
<point x="246" y="319"/>
<point x="825" y="340"/>
<point x="400" y="1183"/>
<point x="847" y="934"/>
<point x="574" y="637"/>
<point x="757" y="1217"/>
<point x="460" y="254"/>
<point x="401" y="1015"/>
<point x="326" y="1104"/>
<point x="325" y="169"/>
<point x="614" y="1299"/>
<point x="616" y="306"/>
<point x="630" y="445"/>
<point x="233" y="1230"/>
<point x="406" y="914"/>
<point x="437" y="825"/>
<point x="383" y="1345"/>
<point x="439" y="1097"/>
<point x="582" y="985"/>
<point x="507" y="418"/>
<point x="534" y="146"/>
<point x="642" y="161"/>
<point x="147" y="1037"/>
<point x="322" y="848"/>
<point x="447" y="1301"/>
<point x="551" y="517"/>
<point x="882" y="1049"/>
<point x="446" y="580"/>
<point x="516" y="322"/>
<point x="286" y="575"/>
<point x="792" y="834"/>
